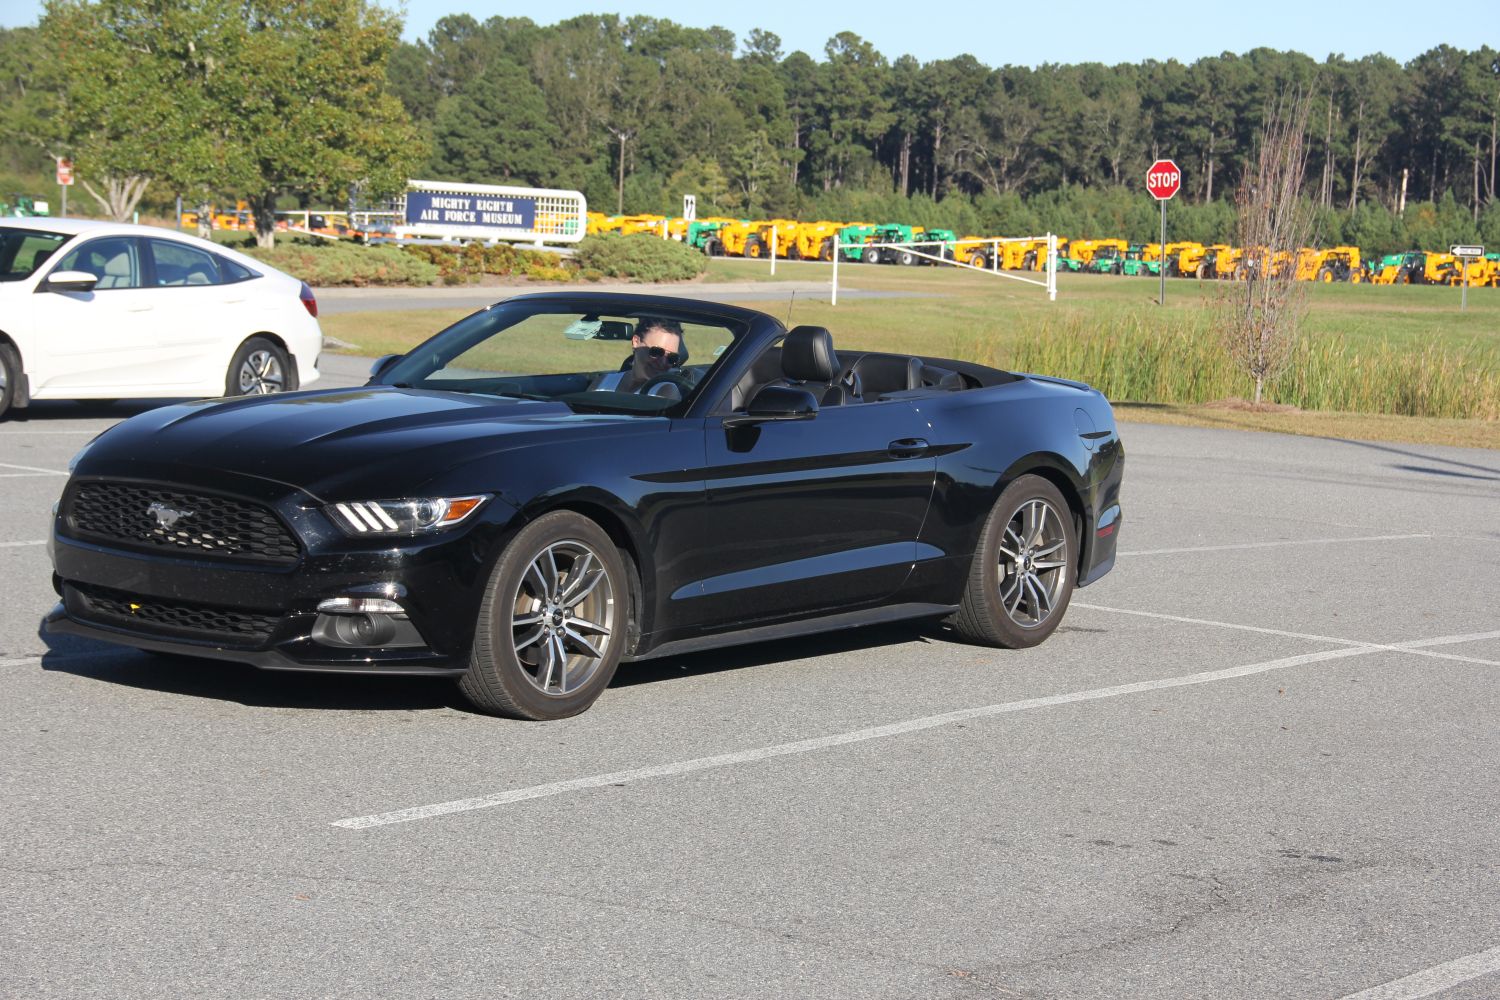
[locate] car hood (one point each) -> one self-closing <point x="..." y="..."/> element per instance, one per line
<point x="338" y="443"/>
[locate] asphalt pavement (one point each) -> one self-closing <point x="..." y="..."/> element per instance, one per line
<point x="1257" y="761"/>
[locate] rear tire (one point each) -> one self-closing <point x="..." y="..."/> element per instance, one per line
<point x="872" y="255"/>
<point x="552" y="625"/>
<point x="906" y="258"/>
<point x="1024" y="568"/>
<point x="259" y="368"/>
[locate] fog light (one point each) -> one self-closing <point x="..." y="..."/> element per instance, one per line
<point x="364" y="623"/>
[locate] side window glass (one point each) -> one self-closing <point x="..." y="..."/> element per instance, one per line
<point x="114" y="260"/>
<point x="179" y="264"/>
<point x="233" y="272"/>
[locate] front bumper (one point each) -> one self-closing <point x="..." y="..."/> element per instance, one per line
<point x="265" y="614"/>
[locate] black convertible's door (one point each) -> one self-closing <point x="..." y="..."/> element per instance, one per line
<point x="805" y="516"/>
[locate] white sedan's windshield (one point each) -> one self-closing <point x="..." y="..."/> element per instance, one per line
<point x="22" y="251"/>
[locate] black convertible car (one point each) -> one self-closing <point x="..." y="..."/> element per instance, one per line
<point x="731" y="481"/>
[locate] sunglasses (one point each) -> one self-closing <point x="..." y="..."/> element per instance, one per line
<point x="656" y="353"/>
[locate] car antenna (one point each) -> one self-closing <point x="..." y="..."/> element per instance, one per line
<point x="790" y="302"/>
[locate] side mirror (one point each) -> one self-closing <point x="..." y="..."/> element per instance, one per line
<point x="69" y="281"/>
<point x="776" y="402"/>
<point x="382" y="364"/>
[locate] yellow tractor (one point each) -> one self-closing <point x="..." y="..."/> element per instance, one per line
<point x="1083" y="251"/>
<point x="1340" y="264"/>
<point x="814" y="240"/>
<point x="629" y="224"/>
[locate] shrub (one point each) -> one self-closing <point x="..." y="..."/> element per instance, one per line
<point x="460" y="264"/>
<point x="327" y="264"/>
<point x="639" y="258"/>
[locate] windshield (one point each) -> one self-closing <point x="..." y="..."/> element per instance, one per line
<point x="627" y="361"/>
<point x="22" y="251"/>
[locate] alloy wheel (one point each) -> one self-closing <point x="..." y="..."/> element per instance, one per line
<point x="563" y="615"/>
<point x="260" y="374"/>
<point x="1033" y="563"/>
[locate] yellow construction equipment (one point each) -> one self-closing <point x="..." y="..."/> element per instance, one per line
<point x="814" y="240"/>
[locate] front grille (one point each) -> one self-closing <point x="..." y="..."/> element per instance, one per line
<point x="153" y="517"/>
<point x="156" y="615"/>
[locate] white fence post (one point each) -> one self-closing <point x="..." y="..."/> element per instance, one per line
<point x="773" y="251"/>
<point x="1051" y="267"/>
<point x="833" y="299"/>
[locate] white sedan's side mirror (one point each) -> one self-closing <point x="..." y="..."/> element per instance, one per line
<point x="69" y="281"/>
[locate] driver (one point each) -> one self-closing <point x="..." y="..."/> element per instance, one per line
<point x="657" y="347"/>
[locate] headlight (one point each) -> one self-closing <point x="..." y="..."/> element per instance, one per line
<point x="403" y="517"/>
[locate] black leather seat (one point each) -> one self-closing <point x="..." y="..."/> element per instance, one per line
<point x="809" y="362"/>
<point x="883" y="373"/>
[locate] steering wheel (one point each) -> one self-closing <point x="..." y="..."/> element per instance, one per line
<point x="676" y="378"/>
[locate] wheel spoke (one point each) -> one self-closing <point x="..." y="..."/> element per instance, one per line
<point x="1031" y="599"/>
<point x="1044" y="596"/>
<point x="588" y="647"/>
<point x="550" y="574"/>
<point x="562" y="663"/>
<point x="1013" y="599"/>
<point x="536" y="577"/>
<point x="551" y="662"/>
<point x="1058" y="564"/>
<point x="588" y="626"/>
<point x="531" y="637"/>
<point x="527" y="619"/>
<point x="1047" y="550"/>
<point x="576" y="574"/>
<point x="1008" y="553"/>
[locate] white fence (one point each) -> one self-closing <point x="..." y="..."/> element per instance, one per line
<point x="920" y="249"/>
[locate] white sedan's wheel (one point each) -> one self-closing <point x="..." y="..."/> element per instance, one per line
<point x="259" y="368"/>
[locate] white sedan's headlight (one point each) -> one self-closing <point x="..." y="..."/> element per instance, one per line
<point x="403" y="517"/>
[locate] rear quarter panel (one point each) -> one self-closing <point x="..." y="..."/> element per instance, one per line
<point x="986" y="438"/>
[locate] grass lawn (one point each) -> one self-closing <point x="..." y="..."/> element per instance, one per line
<point x="980" y="317"/>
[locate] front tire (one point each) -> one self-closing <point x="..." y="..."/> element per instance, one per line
<point x="259" y="368"/>
<point x="552" y="625"/>
<point x="10" y="377"/>
<point x="1023" y="572"/>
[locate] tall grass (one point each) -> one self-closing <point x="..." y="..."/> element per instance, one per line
<point x="1149" y="356"/>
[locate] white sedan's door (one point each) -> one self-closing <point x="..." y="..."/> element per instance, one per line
<point x="197" y="317"/>
<point x="99" y="343"/>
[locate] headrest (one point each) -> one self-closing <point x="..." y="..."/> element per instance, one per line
<point x="118" y="266"/>
<point x="807" y="355"/>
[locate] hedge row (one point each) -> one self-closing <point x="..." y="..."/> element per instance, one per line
<point x="609" y="255"/>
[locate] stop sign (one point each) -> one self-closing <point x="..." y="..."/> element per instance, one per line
<point x="1163" y="180"/>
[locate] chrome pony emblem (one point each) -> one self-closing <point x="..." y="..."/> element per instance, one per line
<point x="166" y="516"/>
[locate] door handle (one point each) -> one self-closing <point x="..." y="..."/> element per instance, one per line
<point x="907" y="448"/>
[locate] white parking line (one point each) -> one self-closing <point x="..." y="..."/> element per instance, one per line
<point x="861" y="735"/>
<point x="1433" y="980"/>
<point x="1415" y="648"/>
<point x="29" y="468"/>
<point x="19" y="545"/>
<point x="1272" y="545"/>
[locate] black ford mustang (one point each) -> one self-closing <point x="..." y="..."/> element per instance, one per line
<point x="525" y="533"/>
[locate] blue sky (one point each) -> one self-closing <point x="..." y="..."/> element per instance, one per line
<point x="1028" y="33"/>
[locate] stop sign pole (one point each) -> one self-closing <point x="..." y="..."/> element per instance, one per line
<point x="1163" y="180"/>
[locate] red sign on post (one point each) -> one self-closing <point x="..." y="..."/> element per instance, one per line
<point x="64" y="172"/>
<point x="1163" y="180"/>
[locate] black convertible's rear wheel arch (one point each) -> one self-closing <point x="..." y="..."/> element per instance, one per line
<point x="1050" y="467"/>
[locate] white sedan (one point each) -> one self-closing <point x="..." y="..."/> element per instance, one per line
<point x="102" y="310"/>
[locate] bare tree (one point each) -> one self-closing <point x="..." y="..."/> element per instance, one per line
<point x="1265" y="309"/>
